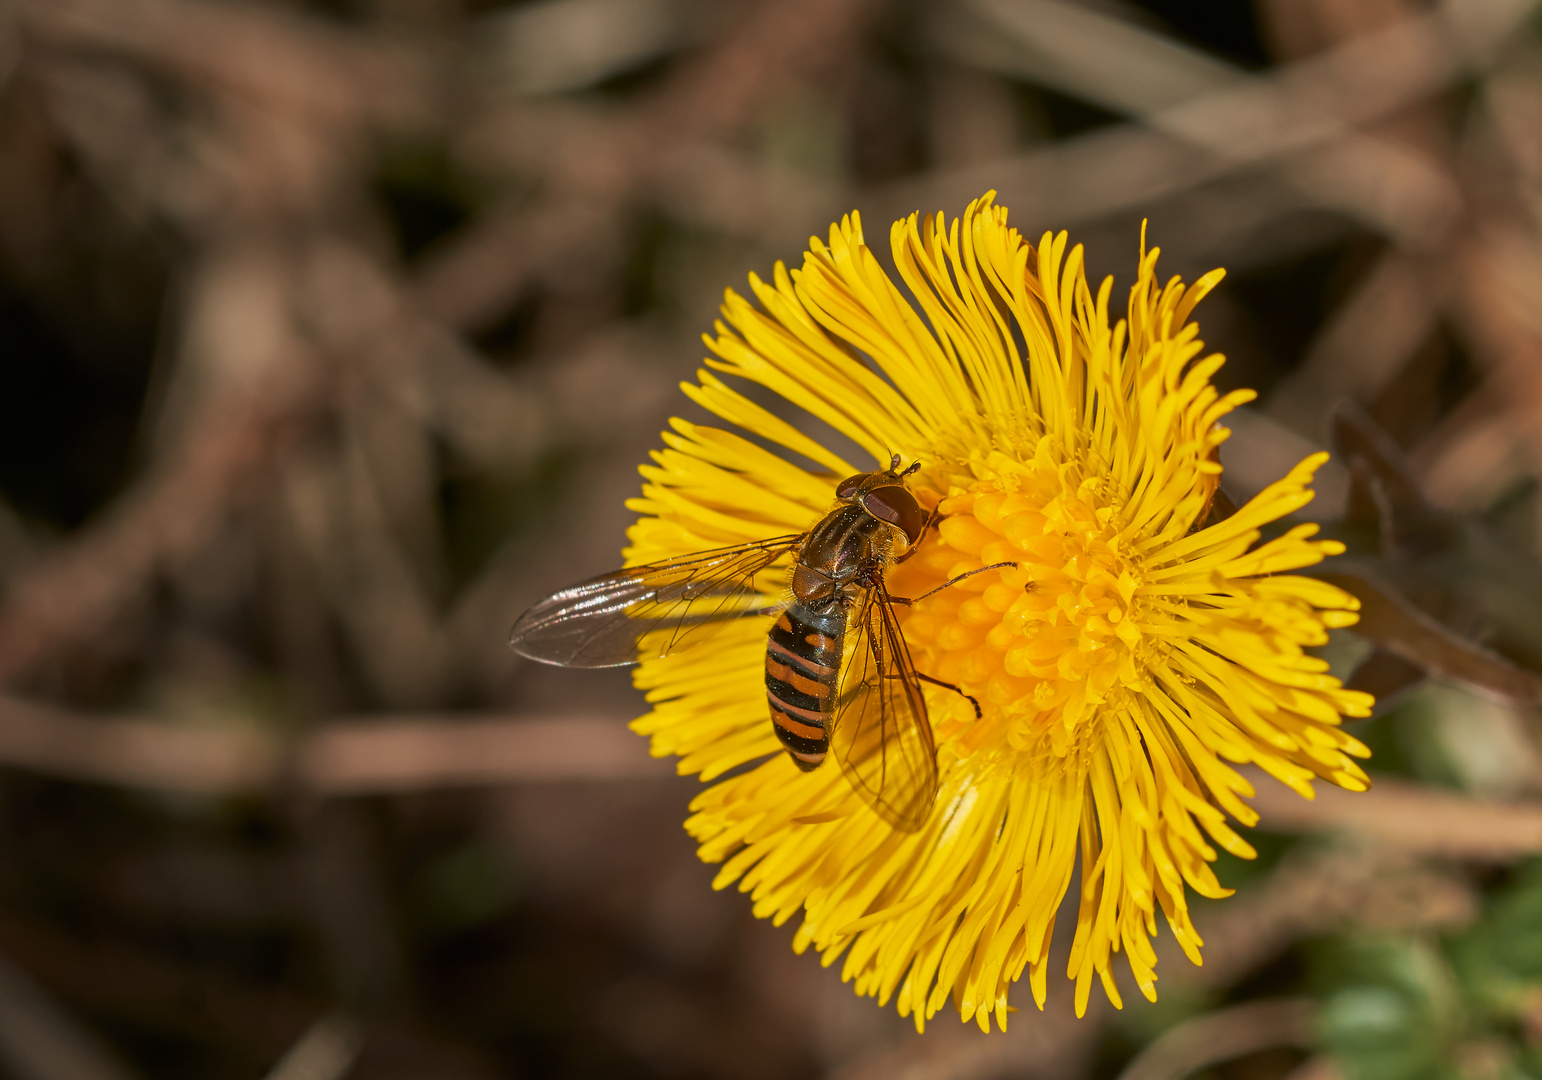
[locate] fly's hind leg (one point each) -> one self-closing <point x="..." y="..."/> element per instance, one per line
<point x="950" y="686"/>
<point x="947" y="686"/>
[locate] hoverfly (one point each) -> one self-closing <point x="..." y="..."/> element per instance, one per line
<point x="862" y="699"/>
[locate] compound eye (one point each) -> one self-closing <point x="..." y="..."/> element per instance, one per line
<point x="895" y="504"/>
<point x="848" y="487"/>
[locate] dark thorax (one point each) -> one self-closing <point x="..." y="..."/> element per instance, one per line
<point x="839" y="555"/>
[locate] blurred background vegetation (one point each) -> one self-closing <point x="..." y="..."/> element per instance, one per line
<point x="331" y="332"/>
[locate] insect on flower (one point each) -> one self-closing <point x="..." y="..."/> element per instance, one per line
<point x="869" y="711"/>
<point x="1109" y="654"/>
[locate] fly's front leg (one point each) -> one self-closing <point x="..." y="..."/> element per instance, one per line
<point x="931" y="519"/>
<point x="907" y="600"/>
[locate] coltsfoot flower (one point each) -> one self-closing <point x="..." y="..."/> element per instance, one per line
<point x="1129" y="657"/>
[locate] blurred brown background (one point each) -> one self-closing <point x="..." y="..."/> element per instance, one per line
<point x="332" y="331"/>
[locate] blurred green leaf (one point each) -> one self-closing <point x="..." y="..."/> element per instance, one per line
<point x="466" y="886"/>
<point x="1468" y="1006"/>
<point x="1397" y="1015"/>
<point x="1376" y="1033"/>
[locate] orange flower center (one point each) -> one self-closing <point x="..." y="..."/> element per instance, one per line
<point x="1040" y="644"/>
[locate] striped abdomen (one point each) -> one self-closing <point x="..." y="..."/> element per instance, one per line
<point x="803" y="661"/>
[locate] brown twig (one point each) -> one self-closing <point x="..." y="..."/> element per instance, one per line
<point x="203" y="1003"/>
<point x="1394" y="623"/>
<point x="402" y="754"/>
<point x="39" y="1041"/>
<point x="1367" y="341"/>
<point x="1048" y="1045"/>
<point x="266" y="56"/>
<point x="1499" y="271"/>
<point x="76" y="591"/>
<point x="1219" y="1036"/>
<point x="1406" y="818"/>
<point x="364" y="757"/>
<point x="327" y="1051"/>
<point x="588" y="180"/>
<point x="1311" y="892"/>
<point x="347" y="757"/>
<point x="1305" y="116"/>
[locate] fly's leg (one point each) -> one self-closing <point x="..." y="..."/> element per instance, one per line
<point x="907" y="600"/>
<point x="931" y="519"/>
<point x="946" y="686"/>
<point x="950" y="686"/>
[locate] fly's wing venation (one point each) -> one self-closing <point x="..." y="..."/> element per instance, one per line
<point x="647" y="611"/>
<point x="881" y="735"/>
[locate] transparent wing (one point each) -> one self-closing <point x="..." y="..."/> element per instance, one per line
<point x="644" y="611"/>
<point x="881" y="736"/>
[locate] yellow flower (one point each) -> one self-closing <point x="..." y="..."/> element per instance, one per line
<point x="1123" y="662"/>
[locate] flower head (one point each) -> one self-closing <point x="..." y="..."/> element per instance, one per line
<point x="1129" y="656"/>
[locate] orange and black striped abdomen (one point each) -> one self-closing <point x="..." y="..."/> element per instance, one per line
<point x="803" y="661"/>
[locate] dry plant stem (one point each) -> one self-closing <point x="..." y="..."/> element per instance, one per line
<point x="327" y="1051"/>
<point x="1310" y="107"/>
<point x="1035" y="1046"/>
<point x="1414" y="820"/>
<point x="1307" y="111"/>
<point x="136" y="753"/>
<point x="1309" y="893"/>
<point x="1397" y="625"/>
<point x="1513" y="103"/>
<point x="173" y="511"/>
<point x="73" y="594"/>
<point x="261" y="1021"/>
<point x="1392" y="312"/>
<point x="1224" y="1034"/>
<point x="284" y="62"/>
<point x="39" y="1041"/>
<point x="347" y="907"/>
<point x="1320" y="1067"/>
<point x="1480" y="448"/>
<point x="1499" y="272"/>
<point x="405" y="754"/>
<point x="1313" y="891"/>
<point x="346" y="757"/>
<point x="473" y="277"/>
<point x="588" y="181"/>
<point x="363" y="757"/>
<point x="366" y="575"/>
<point x="1366" y="342"/>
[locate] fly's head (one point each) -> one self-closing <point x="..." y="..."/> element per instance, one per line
<point x="884" y="495"/>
